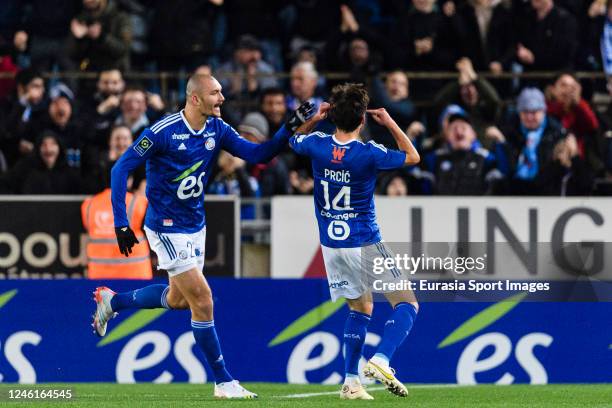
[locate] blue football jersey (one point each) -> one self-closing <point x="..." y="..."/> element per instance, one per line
<point x="178" y="164"/>
<point x="345" y="179"/>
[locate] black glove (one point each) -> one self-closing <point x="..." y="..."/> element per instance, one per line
<point x="297" y="118"/>
<point x="126" y="239"/>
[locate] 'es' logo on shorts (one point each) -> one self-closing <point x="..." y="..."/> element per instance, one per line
<point x="338" y="154"/>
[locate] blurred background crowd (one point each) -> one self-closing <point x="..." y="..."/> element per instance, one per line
<point x="502" y="97"/>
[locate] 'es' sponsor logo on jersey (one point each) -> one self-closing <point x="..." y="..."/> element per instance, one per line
<point x="338" y="154"/>
<point x="183" y="136"/>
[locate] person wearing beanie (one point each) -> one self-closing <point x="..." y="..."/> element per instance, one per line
<point x="273" y="177"/>
<point x="525" y="145"/>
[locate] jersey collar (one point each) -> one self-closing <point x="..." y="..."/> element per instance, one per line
<point x="199" y="132"/>
<point x="342" y="143"/>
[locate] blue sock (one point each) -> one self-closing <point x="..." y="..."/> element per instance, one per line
<point x="149" y="297"/>
<point x="355" y="330"/>
<point x="206" y="338"/>
<point x="396" y="329"/>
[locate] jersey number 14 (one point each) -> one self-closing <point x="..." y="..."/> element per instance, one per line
<point x="343" y="195"/>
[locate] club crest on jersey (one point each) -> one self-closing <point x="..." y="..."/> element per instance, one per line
<point x="338" y="154"/>
<point x="210" y="143"/>
<point x="143" y="145"/>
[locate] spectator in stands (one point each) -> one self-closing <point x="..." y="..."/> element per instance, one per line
<point x="62" y="121"/>
<point x="273" y="108"/>
<point x="396" y="184"/>
<point x="567" y="174"/>
<point x="474" y="94"/>
<point x="101" y="107"/>
<point x="44" y="27"/>
<point x="304" y="78"/>
<point x="423" y="40"/>
<point x="309" y="22"/>
<point x="568" y="107"/>
<point x="139" y="15"/>
<point x="353" y="49"/>
<point x="260" y="18"/>
<point x="233" y="178"/>
<point x="7" y="83"/>
<point x="183" y="33"/>
<point x="272" y="177"/>
<point x="244" y="68"/>
<point x="461" y="167"/>
<point x="393" y="96"/>
<point x="100" y="162"/>
<point x="44" y="171"/>
<point x="486" y="34"/>
<point x="139" y="109"/>
<point x="101" y="37"/>
<point x="547" y="38"/>
<point x="105" y="99"/>
<point x="29" y="108"/>
<point x="525" y="145"/>
<point x="604" y="29"/>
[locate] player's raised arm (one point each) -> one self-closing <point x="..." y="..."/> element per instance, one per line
<point x="381" y="116"/>
<point x="261" y="153"/>
<point x="137" y="154"/>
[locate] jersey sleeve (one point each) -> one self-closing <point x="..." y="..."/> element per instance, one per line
<point x="301" y="143"/>
<point x="143" y="148"/>
<point x="253" y="152"/>
<point x="386" y="159"/>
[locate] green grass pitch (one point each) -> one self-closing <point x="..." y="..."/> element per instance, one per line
<point x="99" y="395"/>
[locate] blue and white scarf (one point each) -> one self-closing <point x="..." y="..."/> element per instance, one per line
<point x="527" y="167"/>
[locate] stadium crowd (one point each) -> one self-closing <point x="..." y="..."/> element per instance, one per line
<point x="479" y="133"/>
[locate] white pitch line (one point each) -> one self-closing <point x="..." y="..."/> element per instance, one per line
<point x="369" y="389"/>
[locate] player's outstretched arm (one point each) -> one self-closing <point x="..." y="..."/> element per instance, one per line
<point x="137" y="154"/>
<point x="381" y="116"/>
<point x="262" y="153"/>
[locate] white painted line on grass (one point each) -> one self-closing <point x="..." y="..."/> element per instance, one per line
<point x="368" y="389"/>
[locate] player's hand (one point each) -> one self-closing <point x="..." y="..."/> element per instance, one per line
<point x="126" y="239"/>
<point x="303" y="113"/>
<point x="324" y="108"/>
<point x="381" y="116"/>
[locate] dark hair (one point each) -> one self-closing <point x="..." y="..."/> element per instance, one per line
<point x="348" y="105"/>
<point x="24" y="77"/>
<point x="271" y="91"/>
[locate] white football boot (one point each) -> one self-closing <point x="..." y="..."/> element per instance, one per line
<point x="104" y="312"/>
<point x="233" y="389"/>
<point x="386" y="376"/>
<point x="354" y="390"/>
